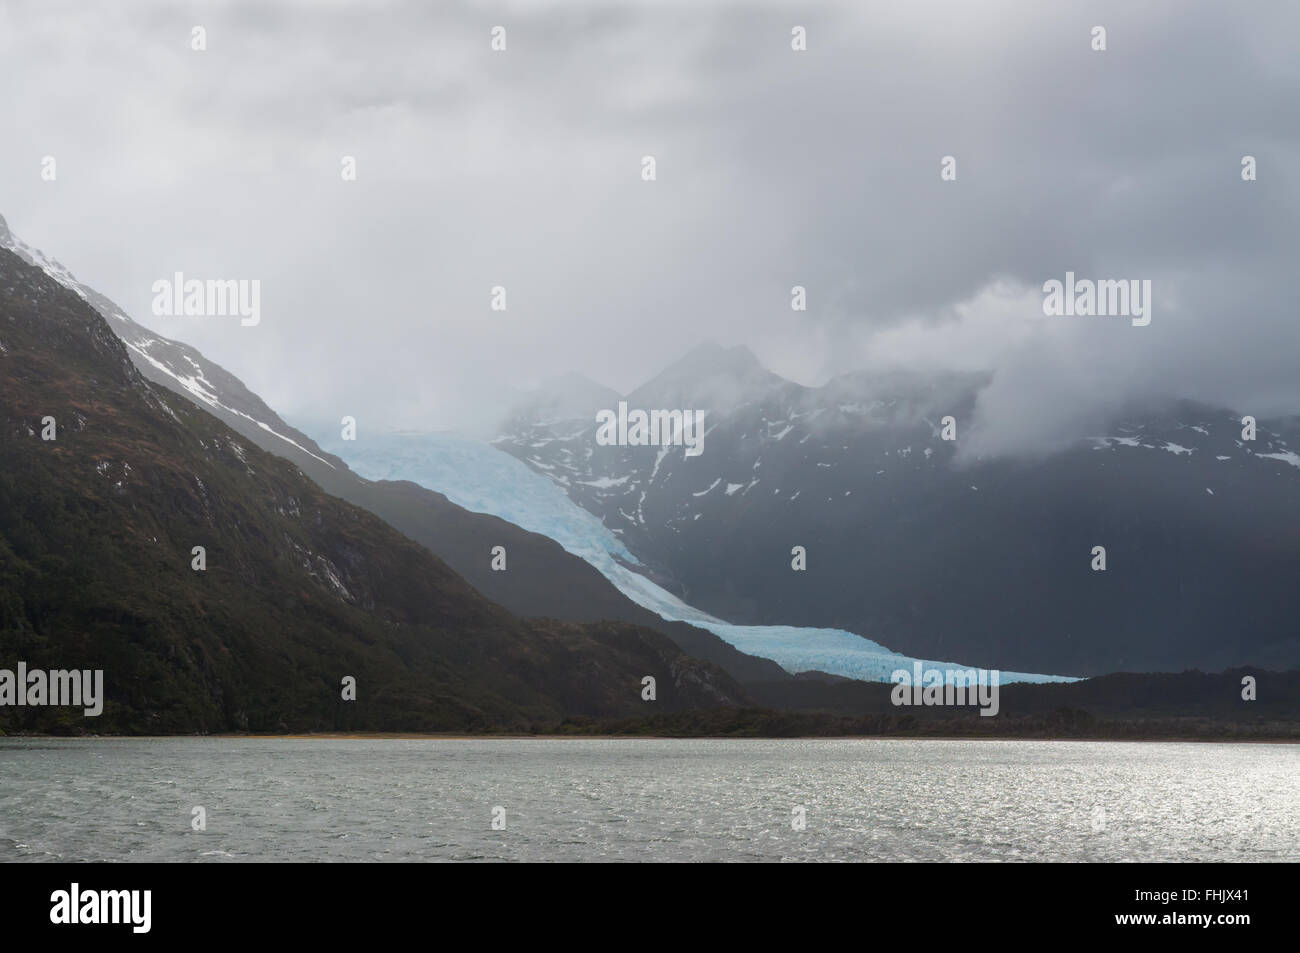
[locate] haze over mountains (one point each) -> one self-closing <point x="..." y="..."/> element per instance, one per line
<point x="543" y="579"/>
<point x="912" y="544"/>
<point x="939" y="554"/>
<point x="297" y="590"/>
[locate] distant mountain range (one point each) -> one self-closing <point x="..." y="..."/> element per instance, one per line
<point x="937" y="556"/>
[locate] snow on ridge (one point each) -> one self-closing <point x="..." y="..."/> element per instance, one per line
<point x="1286" y="457"/>
<point x="659" y="459"/>
<point x="193" y="385"/>
<point x="711" y="486"/>
<point x="603" y="483"/>
<point x="1099" y="443"/>
<point x="52" y="267"/>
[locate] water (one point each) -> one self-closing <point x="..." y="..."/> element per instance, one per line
<point x="594" y="799"/>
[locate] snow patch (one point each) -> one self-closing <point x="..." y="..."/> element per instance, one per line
<point x="604" y="483"/>
<point x="1287" y="457"/>
<point x="711" y="486"/>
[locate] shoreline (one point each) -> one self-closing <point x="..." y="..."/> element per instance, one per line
<point x="460" y="736"/>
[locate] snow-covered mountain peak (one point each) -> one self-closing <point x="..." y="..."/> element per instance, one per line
<point x="172" y="363"/>
<point x="710" y="377"/>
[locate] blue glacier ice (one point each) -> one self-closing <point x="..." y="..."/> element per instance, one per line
<point x="478" y="477"/>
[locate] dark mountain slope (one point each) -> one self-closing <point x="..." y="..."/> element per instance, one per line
<point x="543" y="580"/>
<point x="301" y="589"/>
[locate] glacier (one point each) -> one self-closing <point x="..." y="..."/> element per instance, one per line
<point x="478" y="477"/>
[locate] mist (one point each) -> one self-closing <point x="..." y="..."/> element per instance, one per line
<point x="522" y="169"/>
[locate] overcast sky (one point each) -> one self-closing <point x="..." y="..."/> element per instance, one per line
<point x="821" y="168"/>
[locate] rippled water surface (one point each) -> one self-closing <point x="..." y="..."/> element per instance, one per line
<point x="588" y="799"/>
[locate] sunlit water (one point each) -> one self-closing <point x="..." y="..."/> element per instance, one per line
<point x="588" y="799"/>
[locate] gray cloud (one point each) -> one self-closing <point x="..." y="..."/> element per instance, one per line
<point x="775" y="169"/>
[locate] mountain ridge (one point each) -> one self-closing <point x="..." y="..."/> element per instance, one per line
<point x="543" y="581"/>
<point x="97" y="529"/>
